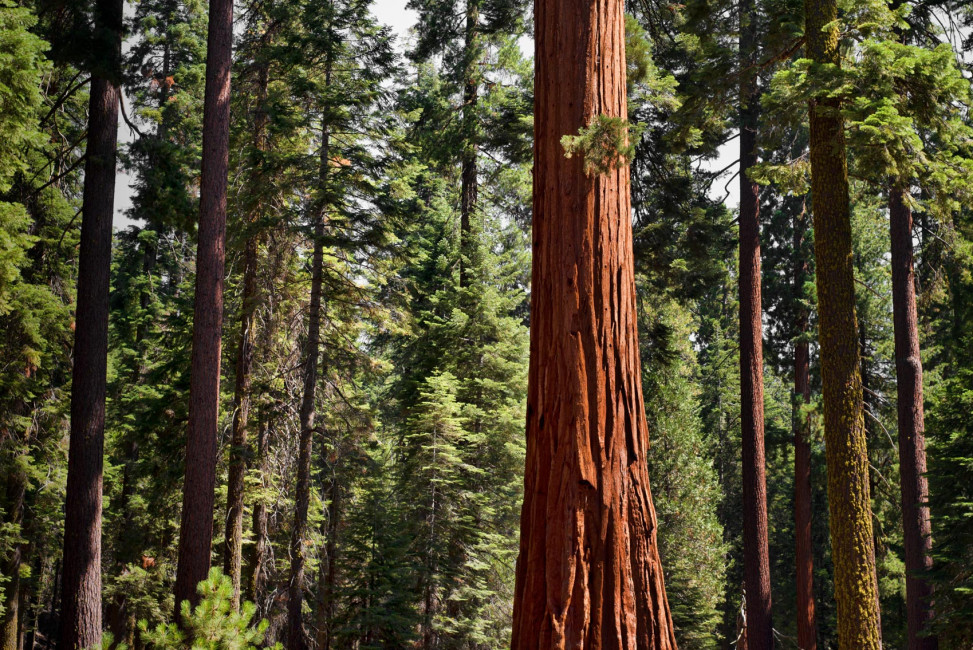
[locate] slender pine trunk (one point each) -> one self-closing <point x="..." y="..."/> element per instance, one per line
<point x="468" y="173"/>
<point x="849" y="495"/>
<point x="296" y="638"/>
<point x="196" y="530"/>
<point x="81" y="602"/>
<point x="804" y="546"/>
<point x="261" y="537"/>
<point x="912" y="443"/>
<point x="756" y="555"/>
<point x="233" y="552"/>
<point x="589" y="573"/>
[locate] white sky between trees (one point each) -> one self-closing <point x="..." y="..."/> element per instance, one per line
<point x="401" y="20"/>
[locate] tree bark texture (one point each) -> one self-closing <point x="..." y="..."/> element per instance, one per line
<point x="589" y="573"/>
<point x="849" y="499"/>
<point x="81" y="601"/>
<point x="233" y="554"/>
<point x="296" y="638"/>
<point x="756" y="554"/>
<point x="912" y="442"/>
<point x="196" y="531"/>
<point x="804" y="546"/>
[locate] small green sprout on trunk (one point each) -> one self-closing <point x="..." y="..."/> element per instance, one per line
<point x="606" y="144"/>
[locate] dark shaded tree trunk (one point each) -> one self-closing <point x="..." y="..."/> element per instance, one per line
<point x="468" y="189"/>
<point x="756" y="554"/>
<point x="13" y="507"/>
<point x="329" y="564"/>
<point x="196" y="530"/>
<point x="912" y="443"/>
<point x="233" y="552"/>
<point x="849" y="498"/>
<point x="81" y="600"/>
<point x="296" y="638"/>
<point x="804" y="546"/>
<point x="261" y="537"/>
<point x="589" y="573"/>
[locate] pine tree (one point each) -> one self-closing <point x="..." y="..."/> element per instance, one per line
<point x="81" y="614"/>
<point x="196" y="529"/>
<point x="847" y="454"/>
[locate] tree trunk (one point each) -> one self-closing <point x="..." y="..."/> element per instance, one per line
<point x="468" y="190"/>
<point x="81" y="602"/>
<point x="849" y="499"/>
<point x="912" y="443"/>
<point x="296" y="639"/>
<point x="261" y="537"/>
<point x="756" y="555"/>
<point x="329" y="564"/>
<point x="589" y="573"/>
<point x="804" y="547"/>
<point x="13" y="506"/>
<point x="196" y="531"/>
<point x="233" y="553"/>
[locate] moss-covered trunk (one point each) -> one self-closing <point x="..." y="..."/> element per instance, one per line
<point x="849" y="498"/>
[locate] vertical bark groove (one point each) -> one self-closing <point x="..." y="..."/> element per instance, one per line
<point x="589" y="573"/>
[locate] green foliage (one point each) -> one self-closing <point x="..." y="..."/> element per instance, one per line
<point x="212" y="624"/>
<point x="607" y="144"/>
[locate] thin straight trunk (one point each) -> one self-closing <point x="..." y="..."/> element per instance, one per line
<point x="849" y="498"/>
<point x="912" y="443"/>
<point x="756" y="554"/>
<point x="296" y="639"/>
<point x="81" y="602"/>
<point x="233" y="552"/>
<point x="804" y="548"/>
<point x="261" y="539"/>
<point x="329" y="564"/>
<point x="13" y="506"/>
<point x="468" y="190"/>
<point x="589" y="573"/>
<point x="196" y="531"/>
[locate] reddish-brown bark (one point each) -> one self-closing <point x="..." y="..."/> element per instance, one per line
<point x="756" y="554"/>
<point x="589" y="573"/>
<point x="196" y="531"/>
<point x="803" y="553"/>
<point x="912" y="443"/>
<point x="81" y="600"/>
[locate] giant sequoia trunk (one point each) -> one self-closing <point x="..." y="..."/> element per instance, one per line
<point x="589" y="573"/>
<point x="233" y="553"/>
<point x="81" y="601"/>
<point x="196" y="531"/>
<point x="912" y="442"/>
<point x="756" y="557"/>
<point x="296" y="639"/>
<point x="804" y="548"/>
<point x="849" y="499"/>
